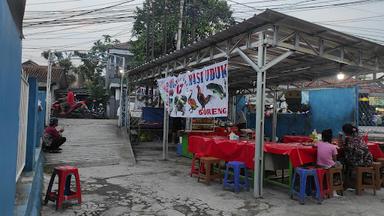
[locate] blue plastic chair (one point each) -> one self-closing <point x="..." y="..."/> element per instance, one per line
<point x="303" y="175"/>
<point x="236" y="182"/>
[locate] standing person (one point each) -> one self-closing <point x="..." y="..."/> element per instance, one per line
<point x="70" y="98"/>
<point x="52" y="139"/>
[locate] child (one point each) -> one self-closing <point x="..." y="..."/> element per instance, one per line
<point x="326" y="152"/>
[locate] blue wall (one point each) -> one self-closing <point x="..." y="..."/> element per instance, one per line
<point x="10" y="68"/>
<point x="288" y="124"/>
<point x="331" y="108"/>
<point x="32" y="124"/>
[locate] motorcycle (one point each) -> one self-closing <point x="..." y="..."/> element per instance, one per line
<point x="97" y="110"/>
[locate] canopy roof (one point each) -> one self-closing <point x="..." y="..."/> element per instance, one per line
<point x="297" y="50"/>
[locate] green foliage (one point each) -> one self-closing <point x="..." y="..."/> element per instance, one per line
<point x="159" y="23"/>
<point x="62" y="60"/>
<point x="93" y="63"/>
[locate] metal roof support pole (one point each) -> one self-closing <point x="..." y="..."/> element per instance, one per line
<point x="48" y="99"/>
<point x="274" y="117"/>
<point x="260" y="97"/>
<point x="165" y="128"/>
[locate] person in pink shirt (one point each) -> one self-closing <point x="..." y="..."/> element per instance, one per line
<point x="326" y="152"/>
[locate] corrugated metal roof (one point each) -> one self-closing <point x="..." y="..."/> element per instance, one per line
<point x="268" y="17"/>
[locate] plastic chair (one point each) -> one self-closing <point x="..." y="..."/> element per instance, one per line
<point x="64" y="191"/>
<point x="324" y="185"/>
<point x="303" y="175"/>
<point x="236" y="182"/>
<point x="195" y="166"/>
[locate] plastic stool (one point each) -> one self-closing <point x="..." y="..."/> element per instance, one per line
<point x="235" y="184"/>
<point x="303" y="175"/>
<point x="361" y="184"/>
<point x="340" y="185"/>
<point x="325" y="192"/>
<point x="64" y="191"/>
<point x="195" y="160"/>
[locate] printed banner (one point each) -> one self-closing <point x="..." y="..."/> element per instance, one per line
<point x="201" y="93"/>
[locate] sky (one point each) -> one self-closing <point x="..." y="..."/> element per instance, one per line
<point x="365" y="19"/>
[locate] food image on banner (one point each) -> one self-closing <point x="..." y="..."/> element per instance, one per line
<point x="198" y="94"/>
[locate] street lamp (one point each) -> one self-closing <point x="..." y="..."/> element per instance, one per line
<point x="122" y="72"/>
<point x="340" y="75"/>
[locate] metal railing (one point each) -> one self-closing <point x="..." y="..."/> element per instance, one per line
<point x="371" y="114"/>
<point x="23" y="121"/>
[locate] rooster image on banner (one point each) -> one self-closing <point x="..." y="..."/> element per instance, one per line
<point x="202" y="93"/>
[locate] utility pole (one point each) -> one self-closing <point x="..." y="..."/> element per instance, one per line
<point x="180" y="26"/>
<point x="194" y="14"/>
<point x="152" y="32"/>
<point x="149" y="2"/>
<point x="165" y="29"/>
<point x="48" y="97"/>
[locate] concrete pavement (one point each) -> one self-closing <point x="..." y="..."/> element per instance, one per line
<point x="156" y="187"/>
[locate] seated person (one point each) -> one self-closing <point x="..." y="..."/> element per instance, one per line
<point x="355" y="150"/>
<point x="326" y="152"/>
<point x="52" y="139"/>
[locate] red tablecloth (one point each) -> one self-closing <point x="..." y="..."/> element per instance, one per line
<point x="297" y="153"/>
<point x="375" y="150"/>
<point x="231" y="150"/>
<point x="223" y="148"/>
<point x="294" y="139"/>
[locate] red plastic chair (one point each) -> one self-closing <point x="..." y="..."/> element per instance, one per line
<point x="321" y="173"/>
<point x="195" y="158"/>
<point x="64" y="191"/>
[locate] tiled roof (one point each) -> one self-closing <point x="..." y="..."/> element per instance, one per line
<point x="124" y="46"/>
<point x="40" y="72"/>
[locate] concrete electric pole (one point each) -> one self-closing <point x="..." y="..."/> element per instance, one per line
<point x="48" y="97"/>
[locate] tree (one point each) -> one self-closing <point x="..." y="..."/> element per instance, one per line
<point x="93" y="63"/>
<point x="63" y="60"/>
<point x="156" y="24"/>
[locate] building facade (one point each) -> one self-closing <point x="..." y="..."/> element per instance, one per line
<point x="113" y="75"/>
<point x="11" y="18"/>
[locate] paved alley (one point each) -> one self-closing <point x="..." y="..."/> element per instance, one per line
<point x="113" y="185"/>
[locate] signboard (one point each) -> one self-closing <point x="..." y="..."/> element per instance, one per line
<point x="201" y="93"/>
<point x="376" y="101"/>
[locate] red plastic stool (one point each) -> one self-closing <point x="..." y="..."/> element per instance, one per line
<point x="195" y="158"/>
<point x="64" y="190"/>
<point x="321" y="173"/>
